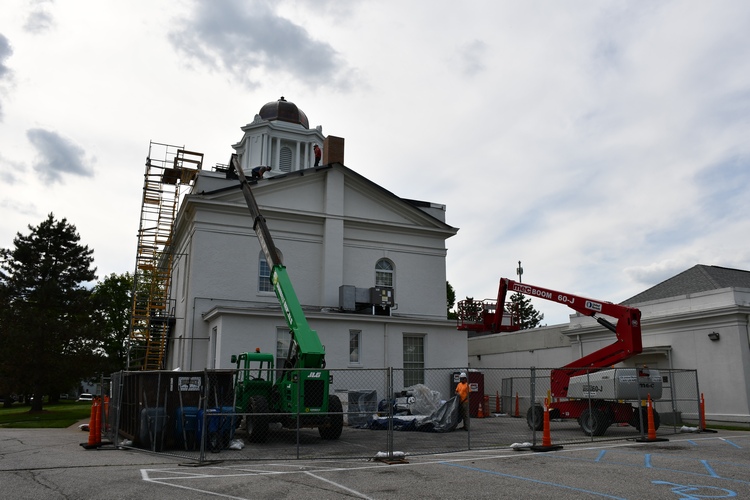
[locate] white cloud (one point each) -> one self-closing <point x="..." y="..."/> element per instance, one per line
<point x="249" y="40"/>
<point x="605" y="146"/>
<point x="39" y="18"/>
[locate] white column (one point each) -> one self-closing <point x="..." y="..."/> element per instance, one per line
<point x="297" y="158"/>
<point x="277" y="153"/>
<point x="333" y="238"/>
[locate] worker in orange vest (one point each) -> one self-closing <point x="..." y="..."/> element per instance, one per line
<point x="462" y="391"/>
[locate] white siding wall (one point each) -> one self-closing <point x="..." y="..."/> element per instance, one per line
<point x="219" y="259"/>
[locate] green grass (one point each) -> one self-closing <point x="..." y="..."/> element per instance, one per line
<point x="60" y="415"/>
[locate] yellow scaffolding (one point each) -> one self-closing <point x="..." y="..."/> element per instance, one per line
<point x="168" y="169"/>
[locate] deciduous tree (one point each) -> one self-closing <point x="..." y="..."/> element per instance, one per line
<point x="451" y="299"/>
<point x="113" y="301"/>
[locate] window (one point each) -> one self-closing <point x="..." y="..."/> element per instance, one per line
<point x="355" y="337"/>
<point x="283" y="338"/>
<point x="264" y="273"/>
<point x="384" y="273"/>
<point x="413" y="360"/>
<point x="285" y="159"/>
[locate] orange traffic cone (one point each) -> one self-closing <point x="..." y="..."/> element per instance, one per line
<point x="497" y="402"/>
<point x="546" y="437"/>
<point x="651" y="427"/>
<point x="480" y="413"/>
<point x="518" y="409"/>
<point x="95" y="433"/>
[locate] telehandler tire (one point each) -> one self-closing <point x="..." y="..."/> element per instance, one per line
<point x="335" y="419"/>
<point x="257" y="420"/>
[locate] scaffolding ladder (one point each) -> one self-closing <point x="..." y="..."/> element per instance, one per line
<point x="168" y="169"/>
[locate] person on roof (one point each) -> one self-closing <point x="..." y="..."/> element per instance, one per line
<point x="462" y="391"/>
<point x="318" y="154"/>
<point x="257" y="172"/>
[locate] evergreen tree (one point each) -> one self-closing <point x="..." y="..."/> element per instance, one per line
<point x="528" y="316"/>
<point x="47" y="336"/>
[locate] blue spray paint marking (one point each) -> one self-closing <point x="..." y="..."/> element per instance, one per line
<point x="692" y="442"/>
<point x="696" y="492"/>
<point x="647" y="458"/>
<point x="733" y="444"/>
<point x="537" y="481"/>
<point x="667" y="469"/>
<point x="709" y="468"/>
<point x="601" y="455"/>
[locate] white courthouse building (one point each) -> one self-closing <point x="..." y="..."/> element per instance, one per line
<point x="346" y="243"/>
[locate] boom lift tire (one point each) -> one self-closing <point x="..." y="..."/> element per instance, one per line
<point x="594" y="422"/>
<point x="257" y="421"/>
<point x="335" y="419"/>
<point x="535" y="417"/>
<point x="636" y="422"/>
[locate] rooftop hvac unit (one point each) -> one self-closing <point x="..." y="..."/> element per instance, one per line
<point x="375" y="300"/>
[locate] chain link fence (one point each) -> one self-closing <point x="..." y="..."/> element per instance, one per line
<point x="375" y="413"/>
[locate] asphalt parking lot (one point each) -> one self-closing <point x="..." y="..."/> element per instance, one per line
<point x="50" y="464"/>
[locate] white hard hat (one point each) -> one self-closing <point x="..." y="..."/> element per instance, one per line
<point x="462" y="375"/>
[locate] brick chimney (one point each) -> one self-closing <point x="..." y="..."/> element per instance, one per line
<point x="333" y="150"/>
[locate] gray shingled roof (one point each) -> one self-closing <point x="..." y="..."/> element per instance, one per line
<point x="698" y="278"/>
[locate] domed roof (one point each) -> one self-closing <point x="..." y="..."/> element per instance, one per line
<point x="284" y="111"/>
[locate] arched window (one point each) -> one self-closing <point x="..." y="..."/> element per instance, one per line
<point x="285" y="159"/>
<point x="264" y="273"/>
<point x="384" y="273"/>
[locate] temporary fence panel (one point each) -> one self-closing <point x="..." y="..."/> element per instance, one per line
<point x="200" y="416"/>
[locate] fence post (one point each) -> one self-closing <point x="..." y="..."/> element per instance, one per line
<point x="532" y="403"/>
<point x="641" y="423"/>
<point x="204" y="419"/>
<point x="673" y="393"/>
<point x="389" y="438"/>
<point x="299" y="407"/>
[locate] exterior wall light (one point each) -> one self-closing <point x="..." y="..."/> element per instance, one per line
<point x="714" y="336"/>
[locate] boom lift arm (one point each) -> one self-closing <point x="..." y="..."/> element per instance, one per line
<point x="299" y="397"/>
<point x="306" y="350"/>
<point x="596" y="401"/>
<point x="627" y="329"/>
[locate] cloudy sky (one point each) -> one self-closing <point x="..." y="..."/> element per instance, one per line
<point x="605" y="144"/>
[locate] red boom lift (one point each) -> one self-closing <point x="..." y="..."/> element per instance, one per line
<point x="583" y="389"/>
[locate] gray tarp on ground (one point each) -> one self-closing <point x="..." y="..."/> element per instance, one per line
<point x="443" y="419"/>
